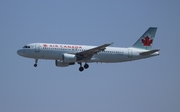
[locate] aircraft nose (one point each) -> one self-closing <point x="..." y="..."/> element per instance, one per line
<point x="20" y="52"/>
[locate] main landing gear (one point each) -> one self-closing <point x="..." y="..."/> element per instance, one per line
<point x="86" y="66"/>
<point x="36" y="60"/>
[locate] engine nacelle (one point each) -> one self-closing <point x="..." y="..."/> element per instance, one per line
<point x="62" y="64"/>
<point x="69" y="58"/>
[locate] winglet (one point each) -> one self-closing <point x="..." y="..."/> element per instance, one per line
<point x="111" y="43"/>
<point x="108" y="44"/>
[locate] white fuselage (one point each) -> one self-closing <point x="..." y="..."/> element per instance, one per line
<point x="55" y="52"/>
<point x="66" y="54"/>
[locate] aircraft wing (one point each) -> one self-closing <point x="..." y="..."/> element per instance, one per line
<point x="87" y="54"/>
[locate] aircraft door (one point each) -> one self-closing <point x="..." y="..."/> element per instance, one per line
<point x="130" y="53"/>
<point x="37" y="47"/>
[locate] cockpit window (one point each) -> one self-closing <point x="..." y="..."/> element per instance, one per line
<point x="26" y="47"/>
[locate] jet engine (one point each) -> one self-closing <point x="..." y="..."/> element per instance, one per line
<point x="69" y="58"/>
<point x="59" y="63"/>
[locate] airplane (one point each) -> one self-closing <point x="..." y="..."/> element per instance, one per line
<point x="66" y="54"/>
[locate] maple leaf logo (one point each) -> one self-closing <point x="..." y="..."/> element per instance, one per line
<point x="147" y="41"/>
<point x="45" y="45"/>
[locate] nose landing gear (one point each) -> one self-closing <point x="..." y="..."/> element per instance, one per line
<point x="36" y="60"/>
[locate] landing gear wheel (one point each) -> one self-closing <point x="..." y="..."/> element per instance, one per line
<point x="36" y="60"/>
<point x="35" y="65"/>
<point x="81" y="69"/>
<point x="86" y="66"/>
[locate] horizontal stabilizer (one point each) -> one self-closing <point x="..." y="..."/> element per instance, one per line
<point x="149" y="52"/>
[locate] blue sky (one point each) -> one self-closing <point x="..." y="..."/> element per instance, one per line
<point x="150" y="85"/>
